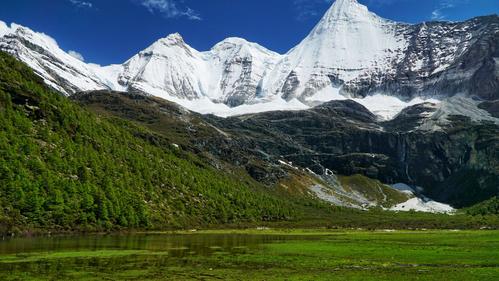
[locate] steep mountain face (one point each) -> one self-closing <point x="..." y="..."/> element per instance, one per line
<point x="168" y="67"/>
<point x="241" y="65"/>
<point x="356" y="53"/>
<point x="349" y="42"/>
<point x="351" y="53"/>
<point x="58" y="69"/>
<point x="443" y="59"/>
<point x="229" y="73"/>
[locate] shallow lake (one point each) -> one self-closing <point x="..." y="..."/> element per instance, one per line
<point x="255" y="255"/>
<point x="175" y="245"/>
<point x="119" y="257"/>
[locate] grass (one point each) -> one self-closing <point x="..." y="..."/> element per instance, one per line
<point x="36" y="257"/>
<point x="373" y="190"/>
<point x="298" y="254"/>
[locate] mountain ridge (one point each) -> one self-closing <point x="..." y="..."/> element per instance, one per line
<point x="351" y="53"/>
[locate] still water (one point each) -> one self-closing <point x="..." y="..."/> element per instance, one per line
<point x="124" y="257"/>
<point x="177" y="245"/>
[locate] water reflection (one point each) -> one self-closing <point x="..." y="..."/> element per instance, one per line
<point x="147" y="255"/>
<point x="175" y="244"/>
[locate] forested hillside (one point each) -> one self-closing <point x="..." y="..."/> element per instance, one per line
<point x="63" y="167"/>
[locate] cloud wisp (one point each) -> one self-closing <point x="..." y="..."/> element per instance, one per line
<point x="169" y="9"/>
<point x="82" y="4"/>
<point x="439" y="13"/>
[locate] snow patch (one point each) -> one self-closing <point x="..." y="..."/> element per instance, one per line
<point x="4" y="29"/>
<point x="419" y="202"/>
<point x="109" y="75"/>
<point x="384" y="106"/>
<point x="308" y="170"/>
<point x="387" y="107"/>
<point x="423" y="205"/>
<point x="329" y="172"/>
<point x="289" y="164"/>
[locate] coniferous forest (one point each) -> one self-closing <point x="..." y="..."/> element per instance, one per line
<point x="62" y="166"/>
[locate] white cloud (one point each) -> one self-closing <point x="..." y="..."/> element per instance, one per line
<point x="81" y="4"/>
<point x="443" y="5"/>
<point x="76" y="55"/>
<point x="437" y="15"/>
<point x="169" y="9"/>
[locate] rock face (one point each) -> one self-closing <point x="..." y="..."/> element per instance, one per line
<point x="350" y="53"/>
<point x="457" y="164"/>
<point x="444" y="59"/>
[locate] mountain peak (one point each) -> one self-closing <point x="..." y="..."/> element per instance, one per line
<point x="345" y="2"/>
<point x="235" y="40"/>
<point x="242" y="46"/>
<point x="345" y="13"/>
<point x="36" y="38"/>
<point x="174" y="36"/>
<point x="173" y="39"/>
<point x="231" y="41"/>
<point x="345" y="10"/>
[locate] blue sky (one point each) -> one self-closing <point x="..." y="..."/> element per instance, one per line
<point x="111" y="31"/>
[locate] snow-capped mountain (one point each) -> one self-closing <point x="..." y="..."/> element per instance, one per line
<point x="355" y="53"/>
<point x="58" y="69"/>
<point x="241" y="66"/>
<point x="229" y="73"/>
<point x="348" y="43"/>
<point x="351" y="53"/>
<point x="169" y="67"/>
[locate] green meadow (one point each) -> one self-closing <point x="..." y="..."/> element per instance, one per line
<point x="256" y="255"/>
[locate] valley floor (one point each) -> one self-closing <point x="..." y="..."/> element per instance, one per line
<point x="257" y="254"/>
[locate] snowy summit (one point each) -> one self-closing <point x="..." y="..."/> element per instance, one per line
<point x="350" y="54"/>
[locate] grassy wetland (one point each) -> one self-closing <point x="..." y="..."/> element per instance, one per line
<point x="256" y="255"/>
